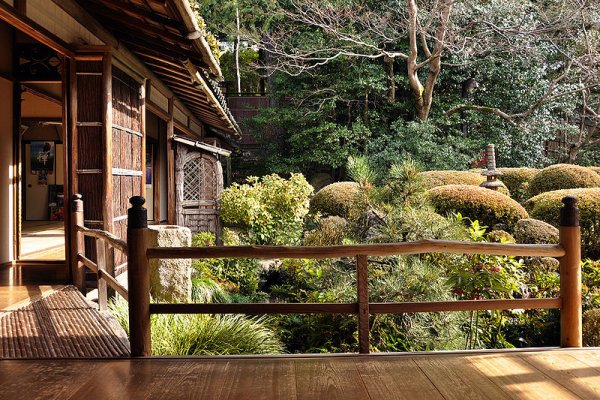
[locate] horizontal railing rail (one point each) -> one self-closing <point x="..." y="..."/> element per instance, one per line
<point x="384" y="249"/>
<point x="108" y="237"/>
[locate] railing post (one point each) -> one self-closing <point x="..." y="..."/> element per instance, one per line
<point x="362" y="281"/>
<point x="101" y="262"/>
<point x="570" y="275"/>
<point x="138" y="278"/>
<point x="78" y="244"/>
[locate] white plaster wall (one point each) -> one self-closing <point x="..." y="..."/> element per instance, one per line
<point x="6" y="171"/>
<point x="56" y="20"/>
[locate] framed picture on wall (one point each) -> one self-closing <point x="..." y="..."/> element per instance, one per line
<point x="149" y="162"/>
<point x="42" y="155"/>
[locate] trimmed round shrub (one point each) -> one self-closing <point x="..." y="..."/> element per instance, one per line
<point x="477" y="203"/>
<point x="331" y="231"/>
<point x="500" y="236"/>
<point x="534" y="231"/>
<point x="563" y="176"/>
<point x="546" y="207"/>
<point x="336" y="199"/>
<point x="433" y="179"/>
<point x="514" y="178"/>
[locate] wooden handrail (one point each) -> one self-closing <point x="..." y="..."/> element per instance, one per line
<point x="568" y="251"/>
<point x="110" y="280"/>
<point x="385" y="249"/>
<point x="353" y="308"/>
<point x="106" y="236"/>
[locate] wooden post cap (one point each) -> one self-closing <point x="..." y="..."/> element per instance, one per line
<point x="569" y="213"/>
<point x="137" y="215"/>
<point x="77" y="203"/>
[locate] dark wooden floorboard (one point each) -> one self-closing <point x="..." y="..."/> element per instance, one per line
<point x="555" y="374"/>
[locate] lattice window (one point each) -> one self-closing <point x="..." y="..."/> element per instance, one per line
<point x="199" y="180"/>
<point x="191" y="180"/>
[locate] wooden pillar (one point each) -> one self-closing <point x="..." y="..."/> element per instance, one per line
<point x="101" y="262"/>
<point x="107" y="142"/>
<point x="171" y="165"/>
<point x="78" y="247"/>
<point x="138" y="278"/>
<point x="570" y="275"/>
<point x="362" y="279"/>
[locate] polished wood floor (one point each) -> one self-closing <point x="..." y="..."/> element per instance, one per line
<point x="545" y="375"/>
<point x="24" y="283"/>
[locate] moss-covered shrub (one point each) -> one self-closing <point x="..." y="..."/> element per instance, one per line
<point x="500" y="236"/>
<point x="477" y="203"/>
<point x="591" y="327"/>
<point x="563" y="176"/>
<point x="433" y="179"/>
<point x="331" y="231"/>
<point x="534" y="231"/>
<point x="514" y="178"/>
<point x="546" y="206"/>
<point x="336" y="199"/>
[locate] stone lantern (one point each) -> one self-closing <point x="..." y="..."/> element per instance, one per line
<point x="491" y="173"/>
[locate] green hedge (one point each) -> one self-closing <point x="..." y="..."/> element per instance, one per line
<point x="534" y="231"/>
<point x="563" y="176"/>
<point x="517" y="179"/>
<point x="432" y="179"/>
<point x="336" y="199"/>
<point x="546" y="207"/>
<point x="477" y="203"/>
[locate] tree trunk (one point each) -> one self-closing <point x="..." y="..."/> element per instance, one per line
<point x="238" y="78"/>
<point x="391" y="82"/>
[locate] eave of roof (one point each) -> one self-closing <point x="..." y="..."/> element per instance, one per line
<point x="166" y="37"/>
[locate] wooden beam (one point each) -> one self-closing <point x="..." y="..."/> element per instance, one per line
<point x="42" y="94"/>
<point x="33" y="29"/>
<point x="385" y="249"/>
<point x="137" y="11"/>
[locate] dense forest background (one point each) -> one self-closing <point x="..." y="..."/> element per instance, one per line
<point x="434" y="81"/>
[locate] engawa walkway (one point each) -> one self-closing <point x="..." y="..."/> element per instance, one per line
<point x="499" y="375"/>
<point x="60" y="325"/>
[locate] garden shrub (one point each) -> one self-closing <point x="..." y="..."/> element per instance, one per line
<point x="534" y="231"/>
<point x="269" y="210"/>
<point x="595" y="169"/>
<point x="477" y="203"/>
<point x="591" y="328"/>
<point x="433" y="179"/>
<point x="563" y="176"/>
<point x="517" y="181"/>
<point x="336" y="199"/>
<point x="191" y="335"/>
<point x="546" y="207"/>
<point x="330" y="231"/>
<point x="500" y="236"/>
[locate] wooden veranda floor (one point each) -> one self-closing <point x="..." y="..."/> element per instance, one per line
<point x="546" y="374"/>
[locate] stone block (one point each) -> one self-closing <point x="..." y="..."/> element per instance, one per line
<point x="170" y="280"/>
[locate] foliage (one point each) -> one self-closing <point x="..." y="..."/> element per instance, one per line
<point x="487" y="206"/>
<point x="269" y="210"/>
<point x="563" y="176"/>
<point x="546" y="207"/>
<point x="237" y="275"/>
<point x="336" y="199"/>
<point x="433" y="179"/>
<point x="191" y="335"/>
<point x="517" y="181"/>
<point x="393" y="279"/>
<point x="330" y="231"/>
<point x="591" y="327"/>
<point x="590" y="274"/>
<point x="500" y="236"/>
<point x="534" y="231"/>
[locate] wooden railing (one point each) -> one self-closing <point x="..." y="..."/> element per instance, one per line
<point x="140" y="309"/>
<point x="105" y="244"/>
